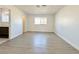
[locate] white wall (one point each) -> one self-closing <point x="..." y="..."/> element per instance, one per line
<point x="16" y="26"/>
<point x="67" y="24"/>
<point x="16" y="22"/>
<point x="4" y="24"/>
<point x="49" y="27"/>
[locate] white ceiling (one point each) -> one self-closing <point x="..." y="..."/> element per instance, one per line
<point x="48" y="9"/>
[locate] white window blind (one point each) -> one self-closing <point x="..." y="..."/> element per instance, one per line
<point x="40" y="20"/>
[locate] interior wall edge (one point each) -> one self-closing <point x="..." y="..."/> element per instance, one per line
<point x="15" y="36"/>
<point x="69" y="42"/>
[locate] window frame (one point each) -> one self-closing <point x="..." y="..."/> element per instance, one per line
<point x="42" y="20"/>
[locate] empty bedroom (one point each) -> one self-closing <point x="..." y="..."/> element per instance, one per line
<point x="39" y="29"/>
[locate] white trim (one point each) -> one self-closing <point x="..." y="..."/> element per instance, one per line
<point x="15" y="36"/>
<point x="4" y="40"/>
<point x="73" y="45"/>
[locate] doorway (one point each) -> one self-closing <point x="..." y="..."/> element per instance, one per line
<point x="24" y="23"/>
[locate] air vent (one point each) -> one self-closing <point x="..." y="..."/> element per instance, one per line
<point x="44" y="5"/>
<point x="41" y="5"/>
<point x="37" y="5"/>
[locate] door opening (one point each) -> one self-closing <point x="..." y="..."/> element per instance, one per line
<point x="24" y="23"/>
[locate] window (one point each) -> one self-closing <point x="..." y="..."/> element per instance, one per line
<point x="4" y="15"/>
<point x="40" y="20"/>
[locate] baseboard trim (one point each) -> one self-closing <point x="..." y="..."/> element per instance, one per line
<point x="67" y="41"/>
<point x="4" y="41"/>
<point x="40" y="31"/>
<point x="16" y="36"/>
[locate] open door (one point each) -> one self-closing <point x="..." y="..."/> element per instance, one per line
<point x="24" y="24"/>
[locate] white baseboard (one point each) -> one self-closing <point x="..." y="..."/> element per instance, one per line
<point x="73" y="45"/>
<point x="4" y="40"/>
<point x="40" y="31"/>
<point x="15" y="36"/>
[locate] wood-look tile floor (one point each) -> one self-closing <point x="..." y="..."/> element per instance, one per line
<point x="37" y="43"/>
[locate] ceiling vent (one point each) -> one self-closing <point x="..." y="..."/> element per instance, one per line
<point x="44" y="5"/>
<point x="41" y="5"/>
